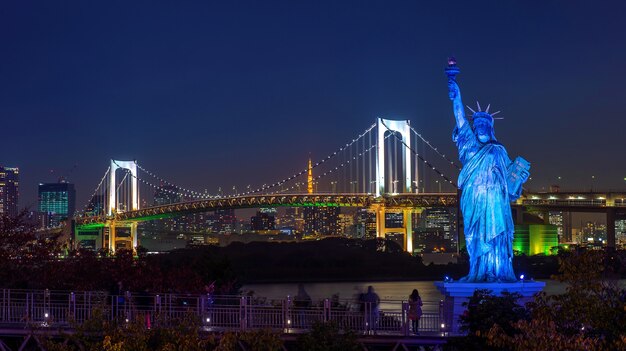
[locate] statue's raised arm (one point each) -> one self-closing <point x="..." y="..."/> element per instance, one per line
<point x="454" y="92"/>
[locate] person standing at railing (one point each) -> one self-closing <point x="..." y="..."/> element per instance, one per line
<point x="371" y="301"/>
<point x="302" y="301"/>
<point x="415" y="310"/>
<point x="144" y="303"/>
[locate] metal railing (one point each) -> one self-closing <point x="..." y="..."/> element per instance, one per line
<point x="45" y="308"/>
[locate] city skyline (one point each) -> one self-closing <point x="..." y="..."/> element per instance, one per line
<point x="260" y="84"/>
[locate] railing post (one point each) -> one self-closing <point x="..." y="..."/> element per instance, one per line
<point x="366" y="317"/>
<point x="73" y="305"/>
<point x="28" y="308"/>
<point x="405" y="320"/>
<point x="326" y="310"/>
<point x="127" y="310"/>
<point x="87" y="303"/>
<point x="243" y="315"/>
<point x="442" y="323"/>
<point x="46" y="306"/>
<point x="287" y="320"/>
<point x="4" y="295"/>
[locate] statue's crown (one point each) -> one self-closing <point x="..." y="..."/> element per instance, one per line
<point x="485" y="115"/>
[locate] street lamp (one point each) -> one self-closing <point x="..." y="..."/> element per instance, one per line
<point x="333" y="187"/>
<point x="395" y="187"/>
<point x="352" y="186"/>
<point x="415" y="183"/>
<point x="439" y="183"/>
<point x="592" y="179"/>
<point x="373" y="186"/>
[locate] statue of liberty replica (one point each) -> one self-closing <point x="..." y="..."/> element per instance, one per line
<point x="489" y="181"/>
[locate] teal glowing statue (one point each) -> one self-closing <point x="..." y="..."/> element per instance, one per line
<point x="489" y="181"/>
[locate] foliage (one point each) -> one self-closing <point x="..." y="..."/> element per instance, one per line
<point x="182" y="334"/>
<point x="24" y="252"/>
<point x="327" y="337"/>
<point x="485" y="310"/>
<point x="35" y="260"/>
<point x="590" y="315"/>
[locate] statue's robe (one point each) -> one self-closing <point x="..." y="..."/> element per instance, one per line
<point x="486" y="209"/>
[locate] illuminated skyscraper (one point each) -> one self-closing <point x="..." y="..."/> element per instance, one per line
<point x="322" y="220"/>
<point x="441" y="223"/>
<point x="366" y="224"/>
<point x="265" y="219"/>
<point x="225" y="221"/>
<point x="57" y="202"/>
<point x="9" y="190"/>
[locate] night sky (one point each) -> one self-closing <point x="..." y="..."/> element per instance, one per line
<point x="221" y="93"/>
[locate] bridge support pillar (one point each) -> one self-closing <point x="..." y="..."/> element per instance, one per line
<point x="112" y="237"/>
<point x="610" y="228"/>
<point x="122" y="234"/>
<point x="406" y="229"/>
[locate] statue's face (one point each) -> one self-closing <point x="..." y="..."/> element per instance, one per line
<point x="482" y="130"/>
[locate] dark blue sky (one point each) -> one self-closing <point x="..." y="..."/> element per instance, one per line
<point x="216" y="93"/>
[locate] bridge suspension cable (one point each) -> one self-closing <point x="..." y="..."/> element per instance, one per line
<point x="95" y="192"/>
<point x="338" y="167"/>
<point x="420" y="156"/>
<point x="434" y="148"/>
<point x="315" y="165"/>
<point x="191" y="193"/>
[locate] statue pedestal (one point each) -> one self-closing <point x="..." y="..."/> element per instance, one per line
<point x="456" y="293"/>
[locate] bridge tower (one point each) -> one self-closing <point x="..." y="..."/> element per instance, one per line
<point x="113" y="225"/>
<point x="112" y="194"/>
<point x="404" y="129"/>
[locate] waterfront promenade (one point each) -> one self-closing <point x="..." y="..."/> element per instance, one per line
<point x="27" y="315"/>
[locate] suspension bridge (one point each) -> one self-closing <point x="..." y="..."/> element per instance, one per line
<point x="389" y="169"/>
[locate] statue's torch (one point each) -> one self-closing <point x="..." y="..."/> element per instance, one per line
<point x="452" y="70"/>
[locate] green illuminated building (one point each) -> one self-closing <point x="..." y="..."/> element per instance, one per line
<point x="535" y="239"/>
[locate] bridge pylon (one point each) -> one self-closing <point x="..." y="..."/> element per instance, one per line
<point x="112" y="190"/>
<point x="395" y="126"/>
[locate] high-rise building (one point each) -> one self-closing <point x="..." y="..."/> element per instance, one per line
<point x="292" y="220"/>
<point x="594" y="233"/>
<point x="562" y="220"/>
<point x="9" y="190"/>
<point x="57" y="202"/>
<point x="265" y="219"/>
<point x="442" y="222"/>
<point x="322" y="220"/>
<point x="226" y="221"/>
<point x="620" y="233"/>
<point x="365" y="224"/>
